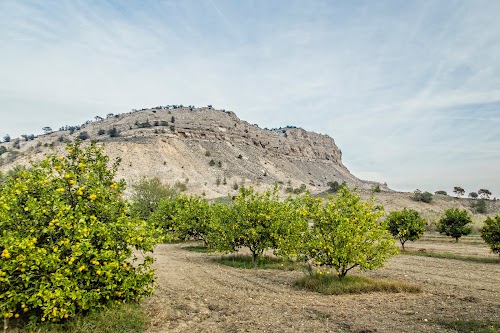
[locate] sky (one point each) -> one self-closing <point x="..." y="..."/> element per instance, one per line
<point x="409" y="90"/>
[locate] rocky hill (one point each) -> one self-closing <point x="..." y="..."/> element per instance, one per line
<point x="211" y="151"/>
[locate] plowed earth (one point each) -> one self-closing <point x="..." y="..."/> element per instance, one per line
<point x="196" y="294"/>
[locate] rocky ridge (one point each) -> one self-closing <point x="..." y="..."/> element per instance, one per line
<point x="211" y="151"/>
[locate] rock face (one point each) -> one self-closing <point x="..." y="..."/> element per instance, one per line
<point x="208" y="150"/>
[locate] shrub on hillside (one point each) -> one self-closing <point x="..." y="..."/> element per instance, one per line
<point x="422" y="196"/>
<point x="66" y="239"/>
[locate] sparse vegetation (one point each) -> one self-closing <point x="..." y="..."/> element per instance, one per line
<point x="441" y="192"/>
<point x="479" y="206"/>
<point x="327" y="284"/>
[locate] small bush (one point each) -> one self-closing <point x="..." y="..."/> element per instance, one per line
<point x="440" y="193"/>
<point x="83" y="135"/>
<point x="101" y="132"/>
<point x="422" y="196"/>
<point x="376" y="189"/>
<point x="211" y="162"/>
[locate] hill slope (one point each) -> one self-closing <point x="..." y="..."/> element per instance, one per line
<point x="203" y="147"/>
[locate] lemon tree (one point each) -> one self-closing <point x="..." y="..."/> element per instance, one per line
<point x="347" y="233"/>
<point x="491" y="233"/>
<point x="406" y="225"/>
<point x="258" y="222"/>
<point x="67" y="242"/>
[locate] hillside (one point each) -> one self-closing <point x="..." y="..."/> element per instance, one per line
<point x="202" y="147"/>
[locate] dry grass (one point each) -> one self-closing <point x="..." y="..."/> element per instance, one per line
<point x="332" y="285"/>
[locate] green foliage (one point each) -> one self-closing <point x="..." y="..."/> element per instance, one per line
<point x="491" y="233"/>
<point x="66" y="239"/>
<point x="257" y="221"/>
<point x="6" y="138"/>
<point x="83" y="135"/>
<point x="455" y="223"/>
<point x="484" y="193"/>
<point x="192" y="218"/>
<point x="346" y="233"/>
<point x="376" y="189"/>
<point x="146" y="195"/>
<point x="113" y="132"/>
<point x="440" y="192"/>
<point x="3" y="150"/>
<point x="479" y="206"/>
<point x="180" y="187"/>
<point x="458" y="191"/>
<point x="101" y="132"/>
<point x="123" y="318"/>
<point x="473" y="195"/>
<point x="406" y="225"/>
<point x="334" y="186"/>
<point x="211" y="162"/>
<point x="422" y="196"/>
<point x="264" y="262"/>
<point x="324" y="283"/>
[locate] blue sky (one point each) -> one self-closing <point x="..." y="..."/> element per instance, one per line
<point x="409" y="90"/>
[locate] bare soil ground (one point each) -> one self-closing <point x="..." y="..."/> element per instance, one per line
<point x="195" y="294"/>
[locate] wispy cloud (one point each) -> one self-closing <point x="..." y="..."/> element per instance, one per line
<point x="409" y="90"/>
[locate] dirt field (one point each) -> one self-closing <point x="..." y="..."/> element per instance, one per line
<point x="195" y="294"/>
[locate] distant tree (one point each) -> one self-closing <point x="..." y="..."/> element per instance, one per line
<point x="491" y="233"/>
<point x="484" y="193"/>
<point x="147" y="193"/>
<point x="455" y="223"/>
<point x="479" y="206"/>
<point x="25" y="137"/>
<point x="406" y="225"/>
<point x="17" y="144"/>
<point x="31" y="137"/>
<point x="458" y="191"/>
<point x="473" y="195"/>
<point x="440" y="193"/>
<point x="109" y="115"/>
<point x="47" y="129"/>
<point x="98" y="118"/>
<point x="6" y="138"/>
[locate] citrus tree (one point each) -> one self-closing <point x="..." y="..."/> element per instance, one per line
<point x="455" y="223"/>
<point x="491" y="233"/>
<point x="192" y="218"/>
<point x="347" y="233"/>
<point x="66" y="239"/>
<point x="257" y="221"/>
<point x="406" y="225"/>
